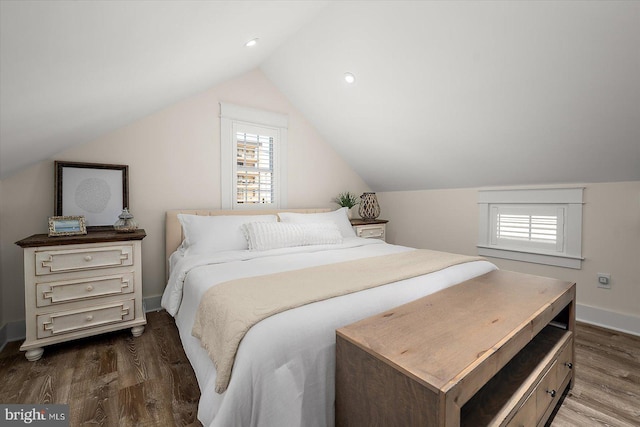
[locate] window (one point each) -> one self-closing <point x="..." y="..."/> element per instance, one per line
<point x="543" y="226"/>
<point x="253" y="148"/>
<point x="254" y="175"/>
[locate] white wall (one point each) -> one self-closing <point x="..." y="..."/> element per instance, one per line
<point x="174" y="162"/>
<point x="448" y="220"/>
<point x="2" y="243"/>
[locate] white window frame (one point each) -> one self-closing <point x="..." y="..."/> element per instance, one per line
<point x="565" y="203"/>
<point x="233" y="117"/>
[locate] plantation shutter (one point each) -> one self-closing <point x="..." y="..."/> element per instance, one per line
<point x="255" y="165"/>
<point x="528" y="226"/>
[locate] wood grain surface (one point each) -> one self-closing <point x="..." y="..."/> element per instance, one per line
<point x="112" y="379"/>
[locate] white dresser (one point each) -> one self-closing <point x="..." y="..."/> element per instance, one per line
<point x="78" y="286"/>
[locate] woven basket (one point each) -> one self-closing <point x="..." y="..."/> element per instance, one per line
<point x="369" y="207"/>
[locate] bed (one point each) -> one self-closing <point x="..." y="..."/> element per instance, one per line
<point x="283" y="369"/>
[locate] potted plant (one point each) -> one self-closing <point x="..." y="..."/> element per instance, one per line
<point x="346" y="200"/>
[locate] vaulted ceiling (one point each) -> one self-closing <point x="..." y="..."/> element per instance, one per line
<point x="447" y="94"/>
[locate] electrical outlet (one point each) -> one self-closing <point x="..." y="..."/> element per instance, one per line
<point x="604" y="280"/>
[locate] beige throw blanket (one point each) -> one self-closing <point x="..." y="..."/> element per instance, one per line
<point x="229" y="309"/>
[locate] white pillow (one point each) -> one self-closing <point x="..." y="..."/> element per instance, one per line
<point x="338" y="217"/>
<point x="262" y="236"/>
<point x="209" y="234"/>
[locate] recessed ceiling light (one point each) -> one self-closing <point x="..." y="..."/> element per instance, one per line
<point x="349" y="78"/>
<point x="251" y="43"/>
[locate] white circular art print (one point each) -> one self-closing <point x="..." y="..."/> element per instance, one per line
<point x="95" y="194"/>
<point x="92" y="195"/>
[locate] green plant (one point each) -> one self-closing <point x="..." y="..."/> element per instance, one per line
<point x="346" y="200"/>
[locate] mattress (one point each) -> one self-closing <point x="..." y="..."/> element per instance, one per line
<point x="283" y="374"/>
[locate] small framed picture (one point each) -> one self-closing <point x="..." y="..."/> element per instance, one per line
<point x="67" y="226"/>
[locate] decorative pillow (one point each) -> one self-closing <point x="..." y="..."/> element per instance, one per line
<point x="338" y="217"/>
<point x="262" y="236"/>
<point x="209" y="234"/>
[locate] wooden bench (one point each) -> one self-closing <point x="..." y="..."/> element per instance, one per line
<point x="494" y="350"/>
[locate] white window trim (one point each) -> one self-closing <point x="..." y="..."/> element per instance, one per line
<point x="230" y="115"/>
<point x="569" y="198"/>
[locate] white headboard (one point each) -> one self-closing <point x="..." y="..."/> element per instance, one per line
<point x="173" y="229"/>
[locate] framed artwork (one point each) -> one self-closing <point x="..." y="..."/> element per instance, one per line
<point x="67" y="225"/>
<point x="97" y="191"/>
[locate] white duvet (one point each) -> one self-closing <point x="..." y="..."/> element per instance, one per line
<point x="283" y="373"/>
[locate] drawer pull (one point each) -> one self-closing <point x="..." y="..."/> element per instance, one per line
<point x="552" y="393"/>
<point x="88" y="258"/>
<point x="89" y="288"/>
<point x="569" y="365"/>
<point x="89" y="318"/>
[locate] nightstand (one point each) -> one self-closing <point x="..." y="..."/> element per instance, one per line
<point x="370" y="229"/>
<point x="79" y="286"/>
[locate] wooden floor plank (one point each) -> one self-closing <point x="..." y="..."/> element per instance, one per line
<point x="94" y="401"/>
<point x="13" y="374"/>
<point x="115" y="379"/>
<point x="577" y="414"/>
<point x="132" y="368"/>
<point x="133" y="411"/>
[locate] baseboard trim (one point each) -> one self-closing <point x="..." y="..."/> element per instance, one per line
<point x="627" y="323"/>
<point x="3" y="337"/>
<point x="152" y="303"/>
<point x="15" y="331"/>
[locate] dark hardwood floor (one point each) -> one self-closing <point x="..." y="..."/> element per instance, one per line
<point x="117" y="380"/>
<point x="111" y="379"/>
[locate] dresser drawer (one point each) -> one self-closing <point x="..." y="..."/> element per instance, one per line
<point x="66" y="260"/>
<point x="80" y="289"/>
<point x="76" y="320"/>
<point x="371" y="232"/>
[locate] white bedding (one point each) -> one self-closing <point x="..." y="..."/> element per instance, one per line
<point x="283" y="373"/>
